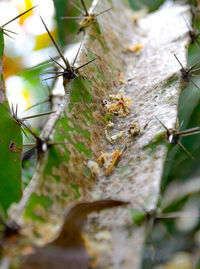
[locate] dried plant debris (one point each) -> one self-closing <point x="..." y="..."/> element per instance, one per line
<point x="94" y="167"/>
<point x="134" y="48"/>
<point x="68" y="249"/>
<point x="118" y="104"/>
<point x="87" y="19"/>
<point x="122" y="78"/>
<point x="134" y="129"/>
<point x="69" y="71"/>
<point x="109" y="159"/>
<point x="113" y="138"/>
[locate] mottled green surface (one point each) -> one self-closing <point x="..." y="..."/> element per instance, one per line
<point x="62" y="176"/>
<point x="34" y="201"/>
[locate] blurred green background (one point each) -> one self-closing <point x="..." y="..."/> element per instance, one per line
<point x="173" y="239"/>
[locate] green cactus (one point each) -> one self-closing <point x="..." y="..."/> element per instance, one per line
<point x="92" y="145"/>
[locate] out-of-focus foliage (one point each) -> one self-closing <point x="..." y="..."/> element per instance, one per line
<point x="67" y="29"/>
<point x="175" y="240"/>
<point x="61" y="7"/>
<point x="151" y="5"/>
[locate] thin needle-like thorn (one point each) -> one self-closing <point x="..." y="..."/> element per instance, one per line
<point x="25" y="133"/>
<point x="174" y="215"/>
<point x="10" y="31"/>
<point x="85" y="8"/>
<point x="195" y="75"/>
<point x="194" y="71"/>
<point x="77" y="55"/>
<point x="56" y="62"/>
<point x="181" y="124"/>
<point x="53" y="77"/>
<point x="71" y="18"/>
<point x="161" y="123"/>
<point x="102" y="12"/>
<point x="51" y="143"/>
<point x="42" y="102"/>
<point x="189" y="131"/>
<point x="8" y="35"/>
<point x="16" y="111"/>
<point x="29" y="129"/>
<point x="193" y="66"/>
<point x="18" y="16"/>
<point x="178" y="61"/>
<point x="85" y="64"/>
<point x="195" y="84"/>
<point x="34" y="147"/>
<point x="12" y="109"/>
<point x="49" y="90"/>
<point x="77" y="8"/>
<point x="29" y="145"/>
<point x="55" y="44"/>
<point x="38" y="115"/>
<point x="189" y="134"/>
<point x="151" y="224"/>
<point x="54" y="72"/>
<point x="187" y="24"/>
<point x="185" y="150"/>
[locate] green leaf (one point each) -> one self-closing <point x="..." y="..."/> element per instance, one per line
<point x="10" y="159"/>
<point x="151" y="5"/>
